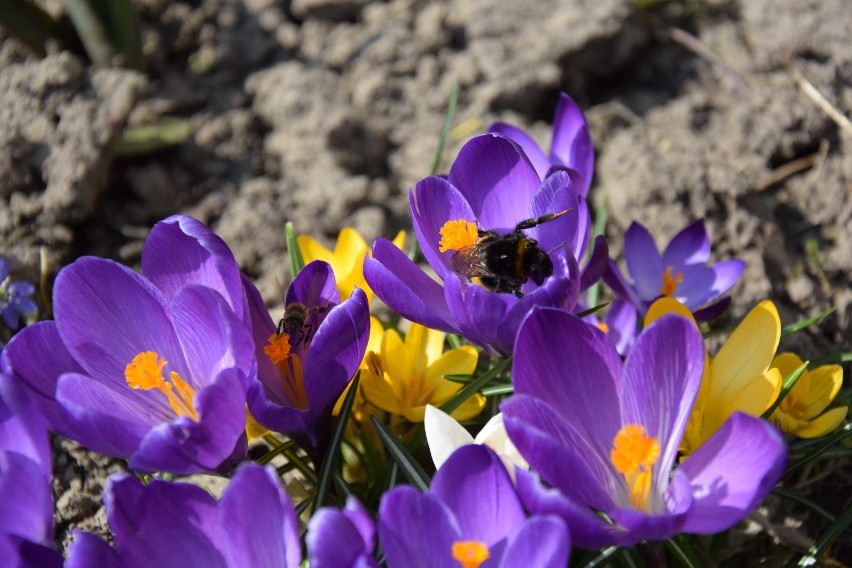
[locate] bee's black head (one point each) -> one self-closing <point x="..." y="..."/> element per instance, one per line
<point x="538" y="265"/>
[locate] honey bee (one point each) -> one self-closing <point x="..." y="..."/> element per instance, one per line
<point x="504" y="263"/>
<point x="296" y="323"/>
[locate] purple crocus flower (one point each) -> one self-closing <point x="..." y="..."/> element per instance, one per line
<point x="611" y="448"/>
<point x="570" y="147"/>
<point x="179" y="524"/>
<point x="681" y="272"/>
<point x="153" y="368"/>
<point x="342" y="538"/>
<point x="620" y="324"/>
<point x="471" y="517"/>
<point x="302" y="374"/>
<point x="14" y="297"/>
<point x="492" y="186"/>
<point x="26" y="506"/>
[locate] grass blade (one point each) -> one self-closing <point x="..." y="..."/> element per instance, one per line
<point x="297" y="263"/>
<point x="475" y="386"/>
<point x="799" y="325"/>
<point x="145" y="139"/>
<point x="120" y="18"/>
<point x="683" y="552"/>
<point x="445" y="130"/>
<point x="598" y="228"/>
<point x="29" y="23"/>
<point x="329" y="462"/>
<point x="839" y="435"/>
<point x="822" y="545"/>
<point x="406" y="462"/>
<point x="91" y="32"/>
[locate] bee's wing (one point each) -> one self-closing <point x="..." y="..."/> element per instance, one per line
<point x="468" y="261"/>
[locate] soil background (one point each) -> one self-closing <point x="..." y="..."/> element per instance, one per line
<point x="325" y="112"/>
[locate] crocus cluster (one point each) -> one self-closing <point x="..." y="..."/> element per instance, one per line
<point x="615" y="428"/>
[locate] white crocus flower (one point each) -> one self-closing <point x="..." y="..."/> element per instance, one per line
<point x="445" y="435"/>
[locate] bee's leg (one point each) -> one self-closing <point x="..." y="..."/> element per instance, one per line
<point x="530" y="223"/>
<point x="279" y="331"/>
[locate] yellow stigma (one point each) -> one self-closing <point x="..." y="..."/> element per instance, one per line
<point x="470" y="553"/>
<point x="602" y="326"/>
<point x="290" y="371"/>
<point x="634" y="454"/>
<point x="670" y="283"/>
<point x="456" y="235"/>
<point x="278" y="348"/>
<point x="145" y="372"/>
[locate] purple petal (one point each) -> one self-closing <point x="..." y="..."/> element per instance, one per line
<point x="690" y="246"/>
<point x="259" y="520"/>
<point x="213" y="338"/>
<point x="405" y="288"/>
<point x="618" y="284"/>
<point x="107" y="314"/>
<point x="534" y="153"/>
<point x="496" y="179"/>
<point x="163" y="524"/>
<point x="643" y="261"/>
<point x="540" y="543"/>
<point x="476" y="487"/>
<point x="25" y="356"/>
<point x="433" y="202"/>
<point x="479" y="313"/>
<point x="661" y="378"/>
<point x="733" y="472"/>
<point x="26" y="509"/>
<point x="580" y="379"/>
<point x="23" y="430"/>
<point x="184" y="446"/>
<point x="559" y="452"/>
<point x="336" y="350"/>
<point x="726" y="275"/>
<point x="598" y="262"/>
<point x="587" y="528"/>
<point x="660" y="526"/>
<point x="314" y="285"/>
<point x="556" y="195"/>
<point x="181" y="250"/>
<point x="108" y="417"/>
<point x="714" y="310"/>
<point x="87" y="550"/>
<point x="18" y="552"/>
<point x="416" y="530"/>
<point x="622" y="320"/>
<point x="341" y="539"/>
<point x="571" y="145"/>
<point x="4" y="269"/>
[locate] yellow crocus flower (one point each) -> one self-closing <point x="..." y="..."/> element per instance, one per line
<point x="801" y="412"/>
<point x="405" y="376"/>
<point x="739" y="378"/>
<point x="346" y="260"/>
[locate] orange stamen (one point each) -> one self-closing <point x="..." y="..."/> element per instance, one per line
<point x="145" y="372"/>
<point x="602" y="326"/>
<point x="289" y="367"/>
<point x="278" y="348"/>
<point x="470" y="553"/>
<point x="634" y="454"/>
<point x="670" y="283"/>
<point x="458" y="234"/>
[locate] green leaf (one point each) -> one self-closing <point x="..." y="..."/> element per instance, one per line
<point x="406" y="462"/>
<point x="839" y="435"/>
<point x="445" y="131"/>
<point x="799" y="325"/>
<point x="329" y="462"/>
<point x="277" y="448"/>
<point x="786" y="386"/>
<point x="303" y="506"/>
<point x="29" y="23"/>
<point x="91" y="31"/>
<point x="825" y="541"/>
<point x="836" y="359"/>
<point x="602" y="558"/>
<point x="591" y="311"/>
<point x="297" y="263"/>
<point x="474" y="386"/>
<point x="498" y="390"/>
<point x="793" y="496"/>
<point x="682" y="550"/>
<point x="120" y="19"/>
<point x="145" y="139"/>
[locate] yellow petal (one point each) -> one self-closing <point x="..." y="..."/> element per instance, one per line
<point x="350" y="245"/>
<point x="461" y="361"/>
<point x="311" y="250"/>
<point x="665" y="306"/>
<point x="825" y="383"/>
<point x="399" y="240"/>
<point x="378" y="392"/>
<point x="377" y="332"/>
<point x="754" y="398"/>
<point x="253" y="429"/>
<point x="824" y="424"/>
<point x="748" y="352"/>
<point x="787" y="362"/>
<point x="396" y="361"/>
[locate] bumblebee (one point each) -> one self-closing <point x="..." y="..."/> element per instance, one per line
<point x="296" y="323"/>
<point x="504" y="263"/>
